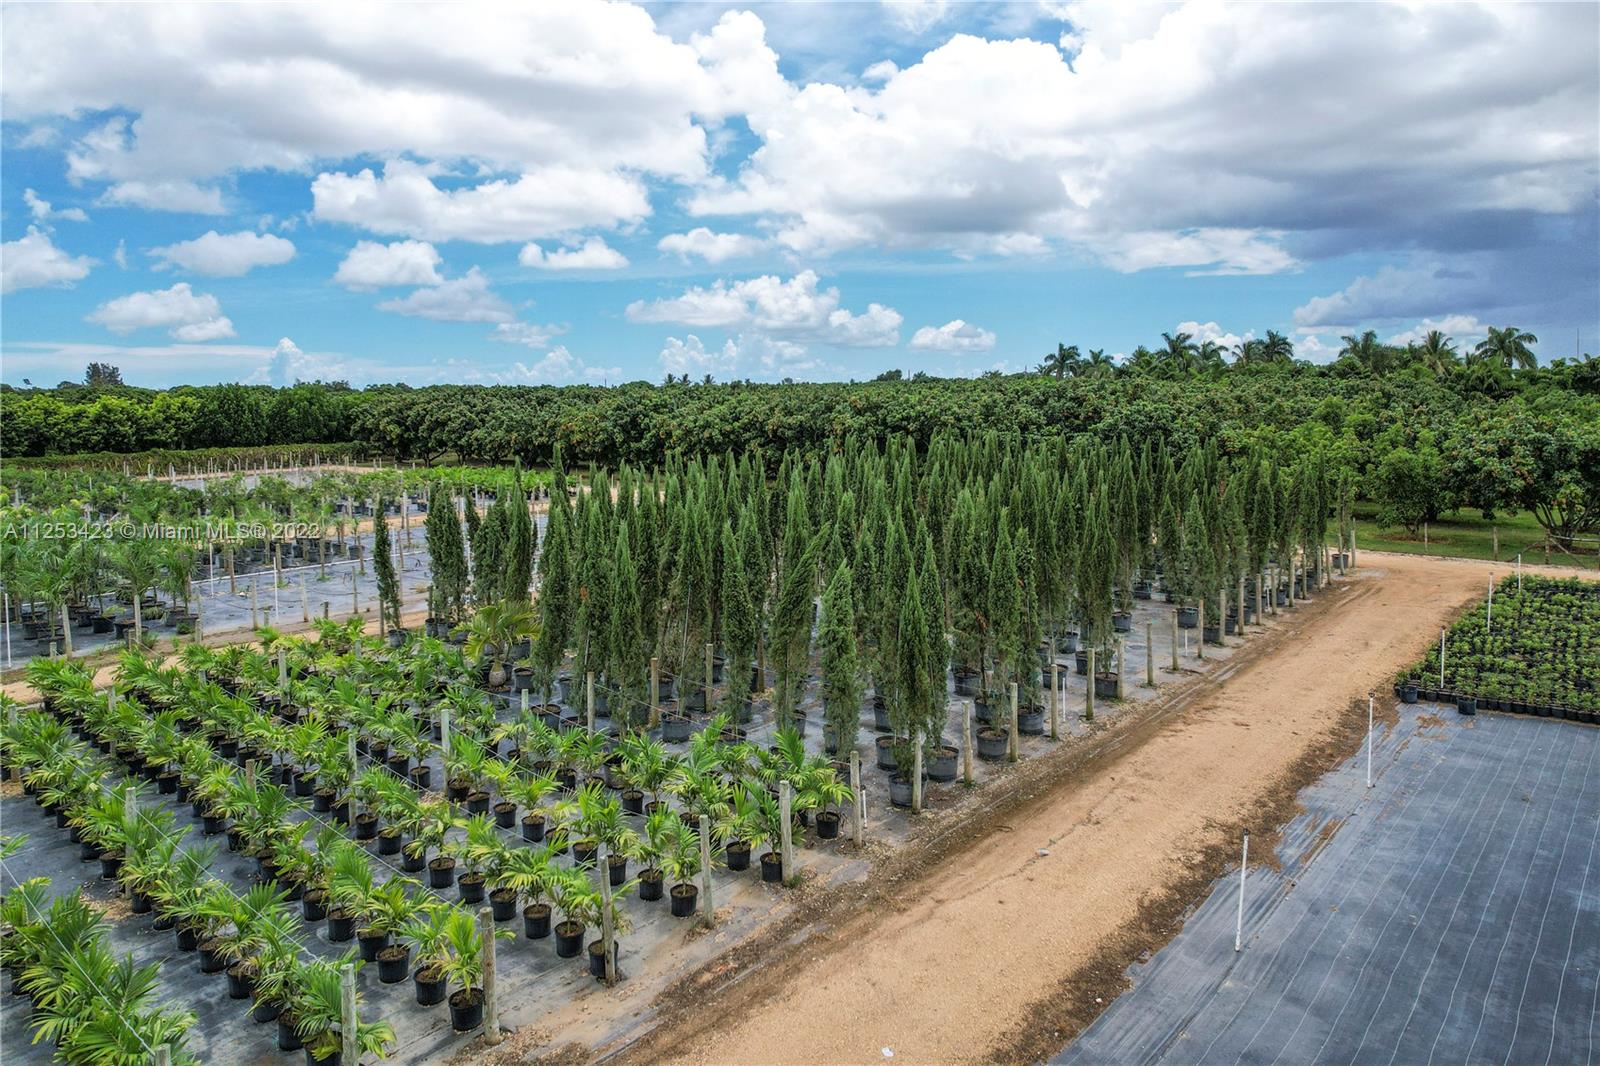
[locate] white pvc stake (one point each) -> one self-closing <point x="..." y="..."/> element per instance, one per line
<point x="1369" y="740"/>
<point x="858" y="810"/>
<point x="1519" y="571"/>
<point x="1441" y="660"/>
<point x="708" y="912"/>
<point x="1488" y="618"/>
<point x="1244" y="861"/>
<point x="7" y="623"/>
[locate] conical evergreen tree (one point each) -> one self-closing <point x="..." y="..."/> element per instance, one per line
<point x="841" y="665"/>
<point x="383" y="569"/>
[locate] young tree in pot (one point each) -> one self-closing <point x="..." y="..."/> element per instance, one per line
<point x="387" y="909"/>
<point x="680" y="864"/>
<point x="350" y="886"/>
<point x="648" y="768"/>
<point x="555" y="597"/>
<point x="1005" y="606"/>
<point x="480" y="847"/>
<point x="383" y="568"/>
<point x="528" y="791"/>
<point x="841" y="664"/>
<point x="739" y="621"/>
<point x="492" y="632"/>
<point x="576" y="900"/>
<point x="447" y="559"/>
<point x="318" y="1008"/>
<point x="424" y="939"/>
<point x="660" y="828"/>
<point x="531" y="872"/>
<point x="821" y="790"/>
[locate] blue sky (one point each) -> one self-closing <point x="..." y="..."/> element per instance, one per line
<point x="604" y="192"/>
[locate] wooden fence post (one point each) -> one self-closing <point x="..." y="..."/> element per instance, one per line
<point x="351" y="1051"/>
<point x="966" y="742"/>
<point x="1014" y="742"/>
<point x="607" y="934"/>
<point x="1150" y="654"/>
<point x="709" y="911"/>
<point x="859" y="805"/>
<point x="588" y="684"/>
<point x="916" y="775"/>
<point x="491" y="1004"/>
<point x="1088" y="695"/>
<point x="1175" y="640"/>
<point x="785" y="809"/>
<point x="1055" y="697"/>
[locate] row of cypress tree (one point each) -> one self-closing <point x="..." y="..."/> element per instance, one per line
<point x="972" y="552"/>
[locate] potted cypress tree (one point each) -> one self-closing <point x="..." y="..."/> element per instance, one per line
<point x="841" y="665"/>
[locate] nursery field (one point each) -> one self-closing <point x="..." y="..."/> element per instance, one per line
<point x="627" y="714"/>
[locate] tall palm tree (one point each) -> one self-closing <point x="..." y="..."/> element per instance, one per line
<point x="1508" y="347"/>
<point x="1437" y="352"/>
<point x="1180" y="351"/>
<point x="1062" y="364"/>
<point x="1366" y="350"/>
<point x="1249" y="352"/>
<point x="1209" y="355"/>
<point x="1277" y="348"/>
<point x="1098" y="365"/>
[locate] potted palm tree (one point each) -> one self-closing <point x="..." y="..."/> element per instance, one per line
<point x="318" y="1009"/>
<point x="570" y="890"/>
<point x="680" y="862"/>
<point x="531" y="872"/>
<point x="463" y="965"/>
<point x="425" y="934"/>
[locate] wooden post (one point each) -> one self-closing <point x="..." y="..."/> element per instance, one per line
<point x="588" y="684"/>
<point x="859" y="805"/>
<point x="491" y="1006"/>
<point x="255" y="621"/>
<point x="1200" y="619"/>
<point x="1174" y="640"/>
<point x="1352" y="546"/>
<point x="1088" y="694"/>
<point x="1055" y="696"/>
<point x="444" y="729"/>
<point x="130" y="816"/>
<point x="1149" y="654"/>
<point x="1494" y="532"/>
<point x="66" y="630"/>
<point x="164" y="1055"/>
<point x="1241" y="605"/>
<point x="710" y="651"/>
<point x="351" y="1052"/>
<point x="1122" y="666"/>
<point x="283" y="668"/>
<point x="607" y="934"/>
<point x="1014" y="741"/>
<point x="305" y="602"/>
<point x="1261" y="580"/>
<point x="916" y="775"/>
<point x="655" y="690"/>
<point x="966" y="742"/>
<point x="708" y="913"/>
<point x="785" y="806"/>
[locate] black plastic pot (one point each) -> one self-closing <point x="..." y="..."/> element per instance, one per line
<point x="886" y="753"/>
<point x="597" y="959"/>
<point x="1467" y="704"/>
<point x="139" y="903"/>
<point x="536" y="921"/>
<point x="1030" y="721"/>
<point x="431" y="988"/>
<point x="366" y="826"/>
<point x="477" y="802"/>
<point x="371" y="944"/>
<point x="413" y="864"/>
<point x="288" y="1034"/>
<point x="737" y="855"/>
<point x="240" y="985"/>
<point x="632" y="801"/>
<point x="471" y="887"/>
<point x="211" y="960"/>
<point x="533" y="827"/>
<point x="503" y="903"/>
<point x="341" y="927"/>
<point x="685" y="898"/>
<point x="265" y="1012"/>
<point x="441" y="872"/>
<point x="827" y="825"/>
<point x="650" y="883"/>
<point x="617" y="869"/>
<point x="992" y="744"/>
<point x="942" y="767"/>
<point x="583" y="853"/>
<point x="110" y="865"/>
<point x="1408" y="692"/>
<point x="394" y="964"/>
<point x="899" y="793"/>
<point x="422" y="776"/>
<point x="505" y="814"/>
<point x="314" y="907"/>
<point x="569" y="939"/>
<point x="390" y="841"/>
<point x="188" y="939"/>
<point x="772" y="867"/>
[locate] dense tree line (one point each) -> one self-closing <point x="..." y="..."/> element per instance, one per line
<point x="1423" y="429"/>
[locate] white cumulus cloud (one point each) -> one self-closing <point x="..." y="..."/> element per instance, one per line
<point x="465" y="299"/>
<point x="44" y="212"/>
<point x="405" y="201"/>
<point x="34" y="260"/>
<point x="704" y="244"/>
<point x="592" y="254"/>
<point x="184" y="313"/>
<point x="229" y="255"/>
<point x="371" y="265"/>
<point x="796" y="308"/>
<point x="954" y="336"/>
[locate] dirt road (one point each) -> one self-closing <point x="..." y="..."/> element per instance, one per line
<point x="1009" y="947"/>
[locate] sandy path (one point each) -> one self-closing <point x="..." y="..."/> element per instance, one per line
<point x="980" y="960"/>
